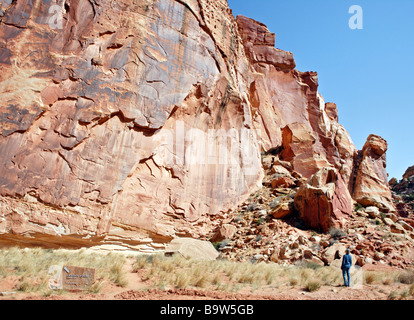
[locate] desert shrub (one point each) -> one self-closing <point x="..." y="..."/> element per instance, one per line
<point x="221" y="244"/>
<point x="252" y="207"/>
<point x="181" y="280"/>
<point x="293" y="281"/>
<point x="393" y="295"/>
<point x="369" y="277"/>
<point x="411" y="290"/>
<point x="387" y="281"/>
<point x="140" y="263"/>
<point x="358" y="207"/>
<point x="406" y="277"/>
<point x="117" y="275"/>
<point x="274" y="203"/>
<point x="313" y="285"/>
<point x="337" y="233"/>
<point x="260" y="221"/>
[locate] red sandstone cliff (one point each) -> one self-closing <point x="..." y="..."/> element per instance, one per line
<point x="130" y="123"/>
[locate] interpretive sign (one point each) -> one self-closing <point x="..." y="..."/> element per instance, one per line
<point x="77" y="278"/>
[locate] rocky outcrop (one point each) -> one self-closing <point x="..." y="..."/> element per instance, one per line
<point x="259" y="45"/>
<point x="133" y="123"/>
<point x="290" y="112"/>
<point x="125" y="124"/>
<point x="409" y="173"/>
<point x="371" y="179"/>
<point x="403" y="194"/>
<point x="324" y="202"/>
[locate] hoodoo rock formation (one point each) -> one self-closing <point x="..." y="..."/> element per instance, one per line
<point x="371" y="186"/>
<point x="128" y="124"/>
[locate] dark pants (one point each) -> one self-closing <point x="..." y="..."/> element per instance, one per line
<point x="347" y="277"/>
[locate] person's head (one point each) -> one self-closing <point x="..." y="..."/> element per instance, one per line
<point x="348" y="251"/>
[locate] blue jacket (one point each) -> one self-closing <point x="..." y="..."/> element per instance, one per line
<point x="346" y="262"/>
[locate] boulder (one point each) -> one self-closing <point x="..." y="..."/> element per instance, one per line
<point x="284" y="182"/>
<point x="360" y="261"/>
<point x="397" y="228"/>
<point x="315" y="239"/>
<point x="282" y="210"/>
<point x="336" y="251"/>
<point x="324" y="243"/>
<point x="226" y="232"/>
<point x="267" y="162"/>
<point x="388" y="221"/>
<point x="405" y="225"/>
<point x="391" y="216"/>
<point x="324" y="201"/>
<point x="307" y="254"/>
<point x="192" y="249"/>
<point x="280" y="171"/>
<point x="373" y="212"/>
<point x="279" y="254"/>
<point x="315" y="260"/>
<point x="378" y="256"/>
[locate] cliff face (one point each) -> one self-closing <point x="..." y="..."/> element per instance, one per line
<point x="130" y="123"/>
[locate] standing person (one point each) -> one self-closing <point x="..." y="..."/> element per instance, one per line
<point x="346" y="266"/>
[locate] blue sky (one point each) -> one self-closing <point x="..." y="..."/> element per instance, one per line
<point x="368" y="73"/>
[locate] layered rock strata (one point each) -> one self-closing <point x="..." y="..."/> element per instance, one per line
<point x="131" y="123"/>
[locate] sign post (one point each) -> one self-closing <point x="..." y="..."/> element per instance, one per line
<point x="77" y="278"/>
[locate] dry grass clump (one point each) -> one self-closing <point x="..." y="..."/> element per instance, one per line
<point x="405" y="294"/>
<point x="172" y="271"/>
<point x="313" y="285"/>
<point x="380" y="277"/>
<point x="389" y="278"/>
<point x="406" y="277"/>
<point x="227" y="275"/>
<point x="179" y="272"/>
<point x="32" y="266"/>
<point x="312" y="278"/>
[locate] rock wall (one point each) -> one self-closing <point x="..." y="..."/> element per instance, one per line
<point x="130" y="123"/>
